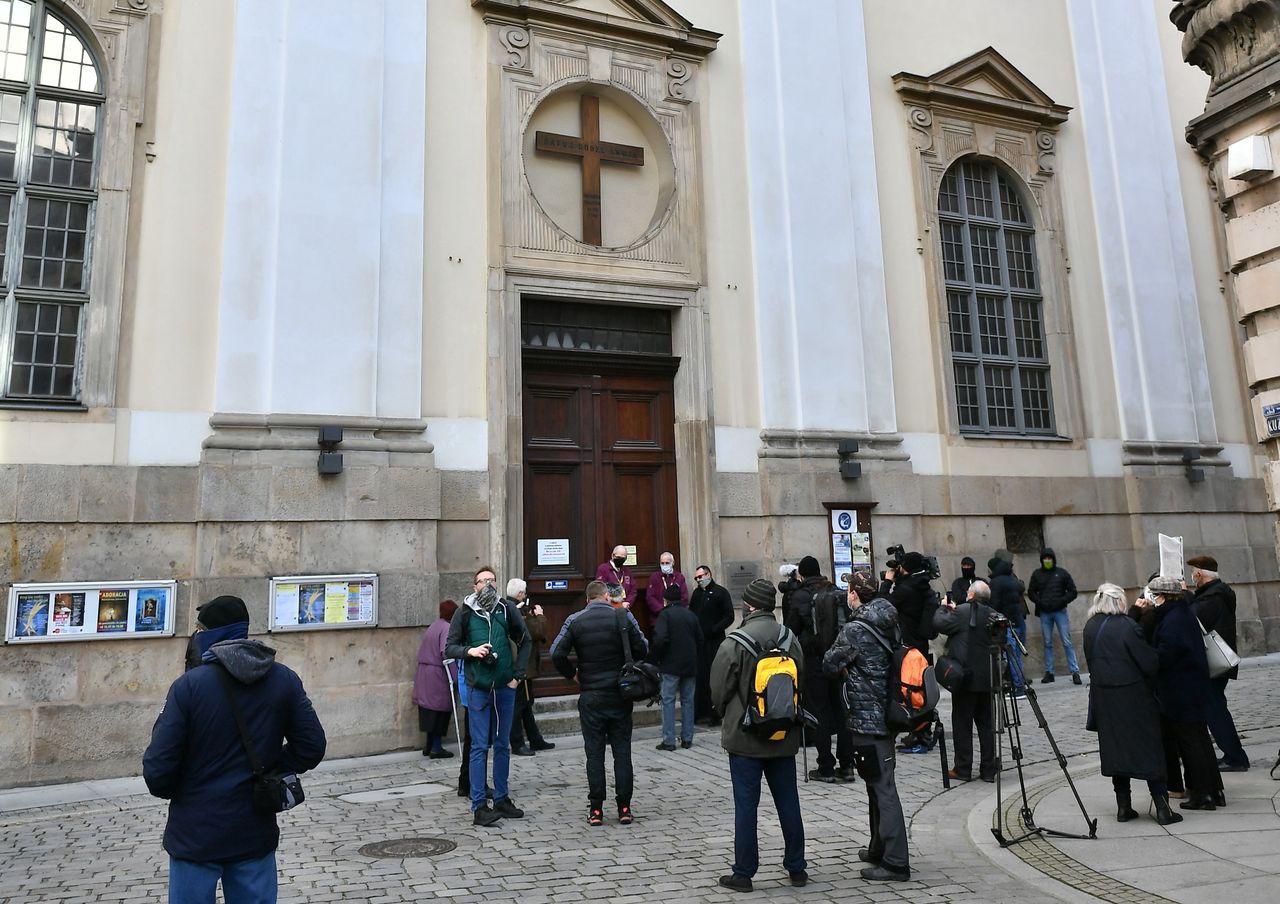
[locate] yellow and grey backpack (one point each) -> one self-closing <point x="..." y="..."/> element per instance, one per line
<point x="771" y="697"/>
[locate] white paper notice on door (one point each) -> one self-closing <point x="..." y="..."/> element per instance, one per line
<point x="553" y="552"/>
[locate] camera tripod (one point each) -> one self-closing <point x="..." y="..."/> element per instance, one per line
<point x="1008" y="721"/>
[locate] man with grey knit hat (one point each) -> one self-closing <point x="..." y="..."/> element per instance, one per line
<point x="751" y="756"/>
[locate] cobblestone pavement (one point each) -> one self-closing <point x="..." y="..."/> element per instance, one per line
<point x="100" y="841"/>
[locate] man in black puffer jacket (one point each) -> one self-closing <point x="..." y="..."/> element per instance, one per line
<point x="1052" y="589"/>
<point x="197" y="761"/>
<point x="595" y="634"/>
<point x="861" y="658"/>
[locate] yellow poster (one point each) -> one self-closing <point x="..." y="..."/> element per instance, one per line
<point x="335" y="603"/>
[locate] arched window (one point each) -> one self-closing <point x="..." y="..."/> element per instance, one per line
<point x="994" y="307"/>
<point x="51" y="96"/>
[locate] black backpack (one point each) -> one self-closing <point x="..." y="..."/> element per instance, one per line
<point x="830" y="614"/>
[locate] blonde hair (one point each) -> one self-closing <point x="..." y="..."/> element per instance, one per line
<point x="1109" y="600"/>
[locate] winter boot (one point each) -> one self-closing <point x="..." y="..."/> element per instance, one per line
<point x="1124" y="807"/>
<point x="1164" y="815"/>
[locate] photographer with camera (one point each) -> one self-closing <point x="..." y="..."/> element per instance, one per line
<point x="481" y="635"/>
<point x="906" y="584"/>
<point x="972" y="629"/>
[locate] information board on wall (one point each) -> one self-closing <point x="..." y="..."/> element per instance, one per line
<point x="850" y="531"/>
<point x="311" y="602"/>
<point x="90" y="611"/>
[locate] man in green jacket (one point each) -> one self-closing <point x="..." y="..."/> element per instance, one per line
<point x="750" y="755"/>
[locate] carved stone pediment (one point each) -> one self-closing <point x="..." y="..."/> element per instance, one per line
<point x="985" y="84"/>
<point x="650" y="21"/>
<point x="627" y="73"/>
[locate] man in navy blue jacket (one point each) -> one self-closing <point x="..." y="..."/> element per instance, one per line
<point x="197" y="761"/>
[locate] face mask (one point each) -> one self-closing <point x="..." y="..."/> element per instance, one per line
<point x="1047" y="563"/>
<point x="704" y="582"/>
<point x="619" y="561"/>
<point x="967" y="571"/>
<point x="667" y="569"/>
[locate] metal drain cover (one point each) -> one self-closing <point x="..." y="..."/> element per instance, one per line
<point x="400" y="848"/>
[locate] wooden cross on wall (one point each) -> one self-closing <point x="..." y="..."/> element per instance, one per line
<point x="593" y="152"/>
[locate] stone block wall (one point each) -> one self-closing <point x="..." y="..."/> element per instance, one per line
<point x="83" y="710"/>
<point x="1102" y="529"/>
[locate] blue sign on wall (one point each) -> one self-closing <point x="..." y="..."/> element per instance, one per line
<point x="557" y="585"/>
<point x="1272" y="414"/>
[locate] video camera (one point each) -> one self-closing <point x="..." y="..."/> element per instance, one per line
<point x="998" y="630"/>
<point x="897" y="554"/>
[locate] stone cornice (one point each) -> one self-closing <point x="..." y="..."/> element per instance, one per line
<point x="1019" y="100"/>
<point x="655" y="24"/>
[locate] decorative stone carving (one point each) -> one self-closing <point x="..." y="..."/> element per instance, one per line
<point x="921" y="121"/>
<point x="679" y="73"/>
<point x="1227" y="38"/>
<point x="1047" y="144"/>
<point x="515" y="40"/>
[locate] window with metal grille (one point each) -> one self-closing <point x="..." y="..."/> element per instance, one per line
<point x="51" y="97"/>
<point x="1000" y="364"/>
<point x="579" y="326"/>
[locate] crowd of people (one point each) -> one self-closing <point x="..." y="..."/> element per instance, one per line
<point x="819" y="675"/>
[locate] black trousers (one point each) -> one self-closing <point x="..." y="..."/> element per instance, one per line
<point x="832" y="724"/>
<point x="523" y="725"/>
<point x="969" y="708"/>
<point x="1190" y="743"/>
<point x="606" y="720"/>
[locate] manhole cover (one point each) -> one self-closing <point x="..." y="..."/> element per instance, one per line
<point x="400" y="848"/>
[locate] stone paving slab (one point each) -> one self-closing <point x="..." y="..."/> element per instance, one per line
<point x="101" y="842"/>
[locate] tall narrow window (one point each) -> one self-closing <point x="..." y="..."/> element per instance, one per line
<point x="51" y="98"/>
<point x="994" y="307"/>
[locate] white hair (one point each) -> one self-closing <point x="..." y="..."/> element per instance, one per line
<point x="981" y="591"/>
<point x="1109" y="600"/>
<point x="515" y="586"/>
<point x="1211" y="575"/>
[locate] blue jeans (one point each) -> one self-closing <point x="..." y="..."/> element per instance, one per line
<point x="671" y="685"/>
<point x="1047" y="622"/>
<point x="780" y="772"/>
<point x="1016" y="674"/>
<point x="243" y="881"/>
<point x="483" y="709"/>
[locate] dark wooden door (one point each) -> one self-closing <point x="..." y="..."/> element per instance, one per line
<point x="599" y="470"/>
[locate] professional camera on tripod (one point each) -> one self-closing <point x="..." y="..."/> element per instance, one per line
<point x="1008" y="724"/>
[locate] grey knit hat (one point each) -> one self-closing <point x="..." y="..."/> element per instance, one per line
<point x="760" y="594"/>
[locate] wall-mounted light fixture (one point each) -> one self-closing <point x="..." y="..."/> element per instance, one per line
<point x="330" y="460"/>
<point x="849" y="469"/>
<point x="1189" y="456"/>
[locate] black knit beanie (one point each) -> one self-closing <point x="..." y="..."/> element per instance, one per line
<point x="222" y="611"/>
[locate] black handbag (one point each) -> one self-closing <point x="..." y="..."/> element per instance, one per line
<point x="951" y="673"/>
<point x="273" y="792"/>
<point x="637" y="681"/>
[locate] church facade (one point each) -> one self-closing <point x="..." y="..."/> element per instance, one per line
<point x="743" y="281"/>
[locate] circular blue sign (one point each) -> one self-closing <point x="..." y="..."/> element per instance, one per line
<point x="844" y="520"/>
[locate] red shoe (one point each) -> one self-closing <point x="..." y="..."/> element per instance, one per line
<point x="624" y="815"/>
<point x="595" y="817"/>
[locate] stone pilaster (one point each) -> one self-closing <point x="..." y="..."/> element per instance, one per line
<point x="1237" y="42"/>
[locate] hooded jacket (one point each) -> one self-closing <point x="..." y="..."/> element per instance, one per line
<point x="864" y="663"/>
<point x="1006" y="591"/>
<point x="197" y="762"/>
<point x="1051" y="589"/>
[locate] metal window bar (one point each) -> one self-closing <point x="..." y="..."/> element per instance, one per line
<point x="1008" y="360"/>
<point x="74" y="190"/>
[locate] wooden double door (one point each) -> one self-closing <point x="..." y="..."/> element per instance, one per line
<point x="599" y="470"/>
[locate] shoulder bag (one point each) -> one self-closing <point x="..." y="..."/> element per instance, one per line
<point x="1222" y="658"/>
<point x="273" y="792"/>
<point x="637" y="681"/>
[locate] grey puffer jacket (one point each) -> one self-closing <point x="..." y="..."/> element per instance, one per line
<point x="864" y="663"/>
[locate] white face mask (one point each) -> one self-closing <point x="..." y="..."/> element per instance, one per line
<point x="667" y="569"/>
<point x="703" y="582"/>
